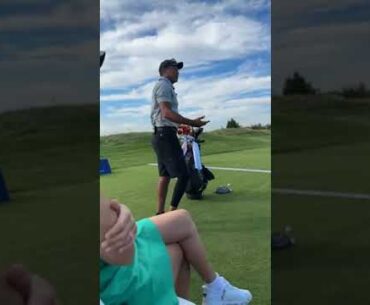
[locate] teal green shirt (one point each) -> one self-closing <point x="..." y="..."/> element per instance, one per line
<point x="149" y="278"/>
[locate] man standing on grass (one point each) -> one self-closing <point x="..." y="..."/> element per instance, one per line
<point x="165" y="120"/>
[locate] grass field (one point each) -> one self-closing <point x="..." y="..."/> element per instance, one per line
<point x="52" y="222"/>
<point x="235" y="228"/>
<point x="321" y="143"/>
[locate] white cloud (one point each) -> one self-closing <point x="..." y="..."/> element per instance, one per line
<point x="129" y="9"/>
<point x="137" y="36"/>
<point x="214" y="90"/>
<point x="196" y="34"/>
<point x="210" y="96"/>
<point x="246" y="111"/>
<point x="202" y="90"/>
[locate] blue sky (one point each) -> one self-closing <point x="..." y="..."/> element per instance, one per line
<point x="225" y="46"/>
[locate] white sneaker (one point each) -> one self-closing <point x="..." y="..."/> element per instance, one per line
<point x="184" y="302"/>
<point x="228" y="295"/>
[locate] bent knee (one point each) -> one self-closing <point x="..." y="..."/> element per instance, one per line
<point x="183" y="214"/>
<point x="186" y="217"/>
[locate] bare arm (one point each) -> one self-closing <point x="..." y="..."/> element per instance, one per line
<point x="168" y="114"/>
<point x="116" y="248"/>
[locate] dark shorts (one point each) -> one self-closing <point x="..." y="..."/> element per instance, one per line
<point x="170" y="157"/>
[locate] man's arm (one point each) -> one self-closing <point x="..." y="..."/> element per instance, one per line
<point x="168" y="114"/>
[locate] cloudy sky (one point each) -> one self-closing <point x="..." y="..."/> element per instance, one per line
<point x="225" y="46"/>
<point x="326" y="41"/>
<point x="49" y="51"/>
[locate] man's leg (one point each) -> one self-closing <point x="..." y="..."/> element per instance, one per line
<point x="178" y="227"/>
<point x="162" y="189"/>
<point x="160" y="149"/>
<point x="181" y="172"/>
<point x="179" y="190"/>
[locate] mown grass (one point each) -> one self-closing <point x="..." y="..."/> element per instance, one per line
<point x="321" y="143"/>
<point x="235" y="228"/>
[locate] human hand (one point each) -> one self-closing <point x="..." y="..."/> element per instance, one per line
<point x="122" y="235"/>
<point x="199" y="122"/>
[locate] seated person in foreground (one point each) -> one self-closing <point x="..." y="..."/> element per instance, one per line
<point x="148" y="262"/>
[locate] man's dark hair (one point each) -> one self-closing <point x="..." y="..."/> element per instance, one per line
<point x="161" y="70"/>
<point x="169" y="63"/>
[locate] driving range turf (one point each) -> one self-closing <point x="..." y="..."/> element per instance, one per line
<point x="335" y="151"/>
<point x="235" y="227"/>
<point x="321" y="143"/>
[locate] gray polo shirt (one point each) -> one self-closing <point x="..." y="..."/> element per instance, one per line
<point x="163" y="91"/>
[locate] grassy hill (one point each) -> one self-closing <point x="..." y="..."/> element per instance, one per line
<point x="49" y="143"/>
<point x="234" y="227"/>
<point x="330" y="134"/>
<point x="49" y="157"/>
<point x="125" y="150"/>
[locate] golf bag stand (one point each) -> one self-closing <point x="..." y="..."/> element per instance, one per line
<point x="199" y="175"/>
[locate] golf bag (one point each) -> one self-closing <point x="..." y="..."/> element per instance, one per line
<point x="199" y="175"/>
